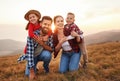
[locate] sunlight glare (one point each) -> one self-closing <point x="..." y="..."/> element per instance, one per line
<point x="53" y="27"/>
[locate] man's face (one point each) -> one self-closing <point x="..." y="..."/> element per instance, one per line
<point x="45" y="31"/>
<point x="46" y="23"/>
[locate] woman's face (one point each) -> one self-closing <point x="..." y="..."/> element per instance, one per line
<point x="59" y="23"/>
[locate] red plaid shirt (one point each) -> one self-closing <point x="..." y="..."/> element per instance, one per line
<point x="67" y="31"/>
<point x="72" y="27"/>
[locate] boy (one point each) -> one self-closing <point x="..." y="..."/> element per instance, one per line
<point x="71" y="26"/>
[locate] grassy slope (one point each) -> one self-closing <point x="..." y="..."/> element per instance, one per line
<point x="104" y="65"/>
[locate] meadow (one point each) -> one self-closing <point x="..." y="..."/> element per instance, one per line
<point x="103" y="65"/>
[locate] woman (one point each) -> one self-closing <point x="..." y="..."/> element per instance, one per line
<point x="70" y="50"/>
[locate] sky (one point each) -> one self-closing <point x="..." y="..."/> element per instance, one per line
<point x="91" y="16"/>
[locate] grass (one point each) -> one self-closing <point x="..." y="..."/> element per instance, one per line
<point x="104" y="65"/>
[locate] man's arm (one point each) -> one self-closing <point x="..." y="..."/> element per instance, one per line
<point x="45" y="46"/>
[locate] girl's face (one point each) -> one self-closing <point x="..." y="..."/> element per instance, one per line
<point x="33" y="18"/>
<point x="59" y="23"/>
<point x="70" y="19"/>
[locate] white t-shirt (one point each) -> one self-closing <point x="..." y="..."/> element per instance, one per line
<point x="66" y="46"/>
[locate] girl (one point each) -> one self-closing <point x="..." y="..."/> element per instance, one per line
<point x="32" y="16"/>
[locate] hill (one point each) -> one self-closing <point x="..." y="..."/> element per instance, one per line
<point x="9" y="46"/>
<point x="104" y="65"/>
<point x="101" y="37"/>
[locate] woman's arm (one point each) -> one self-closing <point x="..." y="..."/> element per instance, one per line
<point x="59" y="45"/>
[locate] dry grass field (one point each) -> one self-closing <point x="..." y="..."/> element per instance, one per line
<point x="104" y="65"/>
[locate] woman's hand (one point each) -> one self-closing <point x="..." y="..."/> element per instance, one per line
<point x="59" y="45"/>
<point x="63" y="40"/>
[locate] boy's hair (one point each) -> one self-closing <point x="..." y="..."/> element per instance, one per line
<point x="47" y="18"/>
<point x="70" y="13"/>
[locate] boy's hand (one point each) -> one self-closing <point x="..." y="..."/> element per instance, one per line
<point x="74" y="34"/>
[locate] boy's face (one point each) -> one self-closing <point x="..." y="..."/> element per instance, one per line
<point x="33" y="18"/>
<point x="46" y="24"/>
<point x="70" y="19"/>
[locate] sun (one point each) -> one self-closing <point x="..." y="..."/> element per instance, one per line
<point x="53" y="27"/>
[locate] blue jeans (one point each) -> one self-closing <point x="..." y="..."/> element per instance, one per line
<point x="44" y="56"/>
<point x="69" y="61"/>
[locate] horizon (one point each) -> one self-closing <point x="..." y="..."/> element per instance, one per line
<point x="22" y="37"/>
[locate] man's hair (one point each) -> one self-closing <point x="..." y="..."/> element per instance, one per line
<point x="47" y="18"/>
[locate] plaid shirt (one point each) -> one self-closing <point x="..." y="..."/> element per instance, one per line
<point x="72" y="27"/>
<point x="31" y="45"/>
<point x="67" y="31"/>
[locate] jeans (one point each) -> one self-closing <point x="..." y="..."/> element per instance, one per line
<point x="69" y="61"/>
<point x="44" y="56"/>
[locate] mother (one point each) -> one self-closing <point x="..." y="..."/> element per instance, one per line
<point x="70" y="50"/>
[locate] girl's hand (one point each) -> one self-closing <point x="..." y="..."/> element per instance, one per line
<point x="39" y="40"/>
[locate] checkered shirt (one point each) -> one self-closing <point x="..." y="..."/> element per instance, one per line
<point x="31" y="45"/>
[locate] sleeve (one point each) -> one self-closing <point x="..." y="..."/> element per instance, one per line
<point x="75" y="28"/>
<point x="50" y="42"/>
<point x="31" y="31"/>
<point x="30" y="51"/>
<point x="70" y="37"/>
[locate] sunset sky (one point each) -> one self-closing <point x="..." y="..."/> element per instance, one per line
<point x="91" y="15"/>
